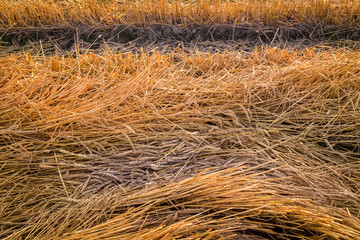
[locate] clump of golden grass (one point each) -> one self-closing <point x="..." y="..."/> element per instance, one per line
<point x="174" y="145"/>
<point x="93" y="12"/>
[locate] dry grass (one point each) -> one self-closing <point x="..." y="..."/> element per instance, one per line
<point x="18" y="13"/>
<point x="174" y="145"/>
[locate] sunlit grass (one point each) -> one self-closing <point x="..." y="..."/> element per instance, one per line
<point x="17" y="13"/>
<point x="286" y="122"/>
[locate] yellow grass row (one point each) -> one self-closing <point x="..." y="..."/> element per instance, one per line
<point x="104" y="146"/>
<point x="19" y="13"/>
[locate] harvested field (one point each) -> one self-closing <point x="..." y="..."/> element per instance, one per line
<point x="208" y="127"/>
<point x="92" y="25"/>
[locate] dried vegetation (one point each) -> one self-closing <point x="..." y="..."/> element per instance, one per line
<point x="179" y="144"/>
<point x="19" y="13"/>
<point x="174" y="145"/>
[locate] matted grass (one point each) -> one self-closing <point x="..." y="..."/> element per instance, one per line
<point x="175" y="145"/>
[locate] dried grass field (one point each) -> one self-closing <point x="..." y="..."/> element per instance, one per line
<point x="147" y="120"/>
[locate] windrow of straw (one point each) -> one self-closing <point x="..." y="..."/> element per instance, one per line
<point x="180" y="145"/>
<point x="30" y="13"/>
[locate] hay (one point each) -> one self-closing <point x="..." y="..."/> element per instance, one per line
<point x="180" y="145"/>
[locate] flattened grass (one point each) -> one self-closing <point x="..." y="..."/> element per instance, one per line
<point x="176" y="145"/>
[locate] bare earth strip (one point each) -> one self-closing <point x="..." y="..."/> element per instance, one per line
<point x="60" y="39"/>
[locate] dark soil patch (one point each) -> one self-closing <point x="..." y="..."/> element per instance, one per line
<point x="65" y="38"/>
